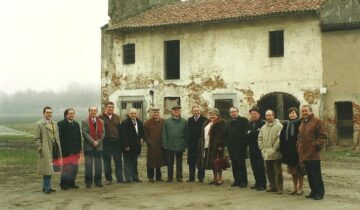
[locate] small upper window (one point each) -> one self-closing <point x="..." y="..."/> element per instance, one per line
<point x="129" y="53"/>
<point x="276" y="42"/>
<point x="172" y="59"/>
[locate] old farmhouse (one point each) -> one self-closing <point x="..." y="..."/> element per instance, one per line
<point x="222" y="53"/>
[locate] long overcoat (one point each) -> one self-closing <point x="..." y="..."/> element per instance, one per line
<point x="235" y="138"/>
<point x="70" y="137"/>
<point x="288" y="144"/>
<point x="156" y="154"/>
<point x="194" y="134"/>
<point x="43" y="133"/>
<point x="205" y="161"/>
<point x="131" y="139"/>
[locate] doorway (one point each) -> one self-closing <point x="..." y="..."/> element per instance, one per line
<point x="344" y="121"/>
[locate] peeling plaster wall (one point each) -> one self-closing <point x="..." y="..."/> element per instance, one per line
<point x="227" y="58"/>
<point x="341" y="50"/>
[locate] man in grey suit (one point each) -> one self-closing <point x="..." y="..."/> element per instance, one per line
<point x="93" y="131"/>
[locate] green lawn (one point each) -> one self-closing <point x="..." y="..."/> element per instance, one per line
<point x="17" y="157"/>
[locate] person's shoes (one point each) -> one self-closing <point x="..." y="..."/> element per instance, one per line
<point x="179" y="180"/>
<point x="127" y="181"/>
<point x="52" y="190"/>
<point x="64" y="187"/>
<point x="47" y="191"/>
<point x="242" y="185"/>
<point x="159" y="180"/>
<point x="190" y="180"/>
<point x="151" y="180"/>
<point x="318" y="197"/>
<point x="260" y="188"/>
<point x="74" y="186"/>
<point x="271" y="190"/>
<point x="212" y="182"/>
<point x="309" y="196"/>
<point x="218" y="183"/>
<point x="137" y="180"/>
<point x="292" y="193"/>
<point x="87" y="185"/>
<point x="253" y="187"/>
<point x="234" y="184"/>
<point x="98" y="185"/>
<point x="108" y="182"/>
<point x="120" y="182"/>
<point x="169" y="180"/>
<point x="300" y="192"/>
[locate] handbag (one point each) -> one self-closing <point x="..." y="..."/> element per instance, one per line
<point x="221" y="163"/>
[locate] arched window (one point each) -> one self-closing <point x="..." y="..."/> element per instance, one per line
<point x="279" y="102"/>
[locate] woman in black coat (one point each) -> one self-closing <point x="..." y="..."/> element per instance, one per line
<point x="288" y="140"/>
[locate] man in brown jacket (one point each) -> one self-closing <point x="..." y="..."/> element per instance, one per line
<point x="312" y="137"/>
<point x="156" y="155"/>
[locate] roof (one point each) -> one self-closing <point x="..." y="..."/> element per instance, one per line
<point x="206" y="11"/>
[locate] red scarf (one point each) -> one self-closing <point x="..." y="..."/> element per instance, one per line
<point x="99" y="126"/>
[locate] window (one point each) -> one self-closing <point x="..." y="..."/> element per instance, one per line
<point x="172" y="59"/>
<point x="129" y="53"/>
<point x="276" y="42"/>
<point x="224" y="105"/>
<point x="169" y="103"/>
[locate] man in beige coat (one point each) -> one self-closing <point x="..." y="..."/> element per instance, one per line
<point x="269" y="144"/>
<point x="46" y="136"/>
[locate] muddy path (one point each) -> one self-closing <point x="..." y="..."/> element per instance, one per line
<point x="20" y="189"/>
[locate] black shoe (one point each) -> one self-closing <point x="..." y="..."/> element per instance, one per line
<point x="169" y="180"/>
<point x="261" y="188"/>
<point x="190" y="180"/>
<point x="201" y="180"/>
<point x="309" y="196"/>
<point x="74" y="186"/>
<point x="243" y="185"/>
<point x="48" y="191"/>
<point x="179" y="180"/>
<point x="88" y="185"/>
<point x="64" y="187"/>
<point x="159" y="180"/>
<point x="151" y="180"/>
<point x="318" y="197"/>
<point x="137" y="180"/>
<point x="98" y="184"/>
<point x="234" y="184"/>
<point x="121" y="182"/>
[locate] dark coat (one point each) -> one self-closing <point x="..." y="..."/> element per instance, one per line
<point x="288" y="146"/>
<point x="156" y="154"/>
<point x="70" y="137"/>
<point x="312" y="137"/>
<point x="194" y="134"/>
<point x="216" y="140"/>
<point x="130" y="138"/>
<point x="252" y="133"/>
<point x="235" y="138"/>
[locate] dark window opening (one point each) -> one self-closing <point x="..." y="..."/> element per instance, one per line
<point x="169" y="103"/>
<point x="137" y="105"/>
<point x="344" y="116"/>
<point x="127" y="105"/>
<point x="224" y="105"/>
<point x="129" y="53"/>
<point x="276" y="42"/>
<point x="280" y="103"/>
<point x="172" y="59"/>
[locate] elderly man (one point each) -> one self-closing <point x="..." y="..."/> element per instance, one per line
<point x="70" y="138"/>
<point x="256" y="159"/>
<point x="46" y="136"/>
<point x="195" y="124"/>
<point x="235" y="141"/>
<point x="133" y="136"/>
<point x="269" y="144"/>
<point x="156" y="155"/>
<point x="312" y="137"/>
<point x="93" y="131"/>
<point x="174" y="136"/>
<point x="112" y="144"/>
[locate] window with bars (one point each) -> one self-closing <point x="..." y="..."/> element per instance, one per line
<point x="276" y="43"/>
<point x="129" y="53"/>
<point x="137" y="105"/>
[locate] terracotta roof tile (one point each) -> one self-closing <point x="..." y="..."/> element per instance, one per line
<point x="214" y="10"/>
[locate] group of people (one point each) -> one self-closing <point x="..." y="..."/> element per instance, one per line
<point x="296" y="142"/>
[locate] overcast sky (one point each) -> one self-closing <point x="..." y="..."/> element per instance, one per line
<point x="47" y="44"/>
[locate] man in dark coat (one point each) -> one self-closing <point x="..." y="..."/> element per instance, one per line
<point x="312" y="137"/>
<point x="256" y="159"/>
<point x="112" y="145"/>
<point x="132" y="133"/>
<point x="235" y="141"/>
<point x="156" y="154"/>
<point x="70" y="139"/>
<point x="195" y="124"/>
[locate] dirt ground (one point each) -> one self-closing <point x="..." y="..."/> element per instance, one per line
<point x="20" y="189"/>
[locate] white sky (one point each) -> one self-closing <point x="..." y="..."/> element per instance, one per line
<point x="47" y="44"/>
